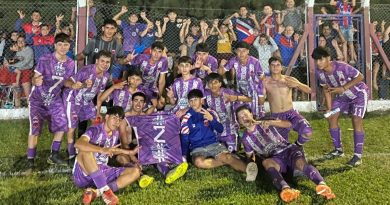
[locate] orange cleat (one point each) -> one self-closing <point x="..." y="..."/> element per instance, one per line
<point x="89" y="195"/>
<point x="325" y="191"/>
<point x="110" y="198"/>
<point x="289" y="194"/>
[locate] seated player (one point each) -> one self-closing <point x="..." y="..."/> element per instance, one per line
<point x="91" y="171"/>
<point x="223" y="101"/>
<point x="132" y="117"/>
<point x="261" y="138"/>
<point x="199" y="140"/>
<point x="350" y="97"/>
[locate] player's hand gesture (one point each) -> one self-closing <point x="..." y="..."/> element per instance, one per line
<point x="223" y="63"/>
<point x="166" y="19"/>
<point x="198" y="63"/>
<point x="291" y="82"/>
<point x="230" y="98"/>
<point x="158" y="23"/>
<point x="236" y="15"/>
<point x="336" y="90"/>
<point x="37" y="81"/>
<point x="252" y="16"/>
<point x="170" y="93"/>
<point x="142" y="14"/>
<point x="21" y="14"/>
<point x="206" y="114"/>
<point x="124" y="9"/>
<point x="131" y="56"/>
<point x="263" y="123"/>
<point x="88" y="83"/>
<point x="120" y="85"/>
<point x="77" y="85"/>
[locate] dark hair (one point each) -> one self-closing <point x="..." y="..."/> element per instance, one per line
<point x="116" y="110"/>
<point x="214" y="76"/>
<point x="110" y="22"/>
<point x="243" y="44"/>
<point x="263" y="35"/>
<point x="195" y="93"/>
<point x="202" y="47"/>
<point x="158" y="45"/>
<point x="185" y="59"/>
<point x="36" y="11"/>
<point x="138" y="94"/>
<point x="275" y="58"/>
<point x="170" y="11"/>
<point x="62" y="37"/>
<point x="322" y="35"/>
<point x="45" y="25"/>
<point x="132" y="72"/>
<point x="319" y="53"/>
<point x="241" y="108"/>
<point x="242" y="6"/>
<point x="103" y="53"/>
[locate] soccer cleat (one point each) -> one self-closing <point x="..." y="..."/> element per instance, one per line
<point x="176" y="173"/>
<point x="28" y="168"/>
<point x="251" y="172"/>
<point x="145" y="181"/>
<point x="355" y="161"/>
<point x="334" y="154"/>
<point x="71" y="161"/>
<point x="89" y="195"/>
<point x="325" y="191"/>
<point x="55" y="158"/>
<point x="289" y="194"/>
<point x="109" y="197"/>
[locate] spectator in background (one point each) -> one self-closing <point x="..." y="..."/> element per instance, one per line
<point x="131" y="30"/>
<point x="149" y="35"/>
<point x="43" y="43"/>
<point x="268" y="23"/>
<point x="243" y="24"/>
<point x="11" y="59"/>
<point x="226" y="36"/>
<point x="211" y="37"/>
<point x="30" y="29"/>
<point x="66" y="28"/>
<point x="291" y="16"/>
<point x="189" y="43"/>
<point x="171" y="32"/>
<point x="25" y="65"/>
<point x="345" y="9"/>
<point x="287" y="41"/>
<point x="335" y="46"/>
<point x="265" y="46"/>
<point x="381" y="78"/>
<point x="92" y="30"/>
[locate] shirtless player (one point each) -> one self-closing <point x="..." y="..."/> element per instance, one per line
<point x="278" y="89"/>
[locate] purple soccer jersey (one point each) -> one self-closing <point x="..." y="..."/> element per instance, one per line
<point x="131" y="35"/>
<point x="181" y="88"/>
<point x="99" y="137"/>
<point x="45" y="101"/>
<point x="225" y="111"/>
<point x="123" y="97"/>
<point x="159" y="137"/>
<point x="78" y="103"/>
<point x="54" y="74"/>
<point x="265" y="142"/>
<point x="150" y="72"/>
<point x="352" y="101"/>
<point x="91" y="21"/>
<point x="211" y="62"/>
<point x="248" y="80"/>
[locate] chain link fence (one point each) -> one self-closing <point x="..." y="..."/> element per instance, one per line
<point x="178" y="44"/>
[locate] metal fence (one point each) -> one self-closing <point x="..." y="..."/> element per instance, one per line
<point x="51" y="10"/>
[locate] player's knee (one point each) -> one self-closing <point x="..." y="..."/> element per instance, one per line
<point x="198" y="162"/>
<point x="268" y="163"/>
<point x="226" y="158"/>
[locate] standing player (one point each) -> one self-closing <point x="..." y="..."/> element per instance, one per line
<point x="154" y="67"/>
<point x="278" y="88"/>
<point x="45" y="99"/>
<point x="95" y="146"/>
<point x="350" y="97"/>
<point x="223" y="101"/>
<point x="88" y="82"/>
<point x="247" y="74"/>
<point x="177" y="93"/>
<point x="262" y="138"/>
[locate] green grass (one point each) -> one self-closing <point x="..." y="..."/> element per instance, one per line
<point x="367" y="184"/>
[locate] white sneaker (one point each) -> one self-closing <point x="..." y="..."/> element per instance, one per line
<point x="251" y="172"/>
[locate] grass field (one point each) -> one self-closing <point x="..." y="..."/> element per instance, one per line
<point x="367" y="184"/>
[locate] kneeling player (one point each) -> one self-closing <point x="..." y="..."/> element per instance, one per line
<point x="95" y="147"/>
<point x="263" y="139"/>
<point x="198" y="137"/>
